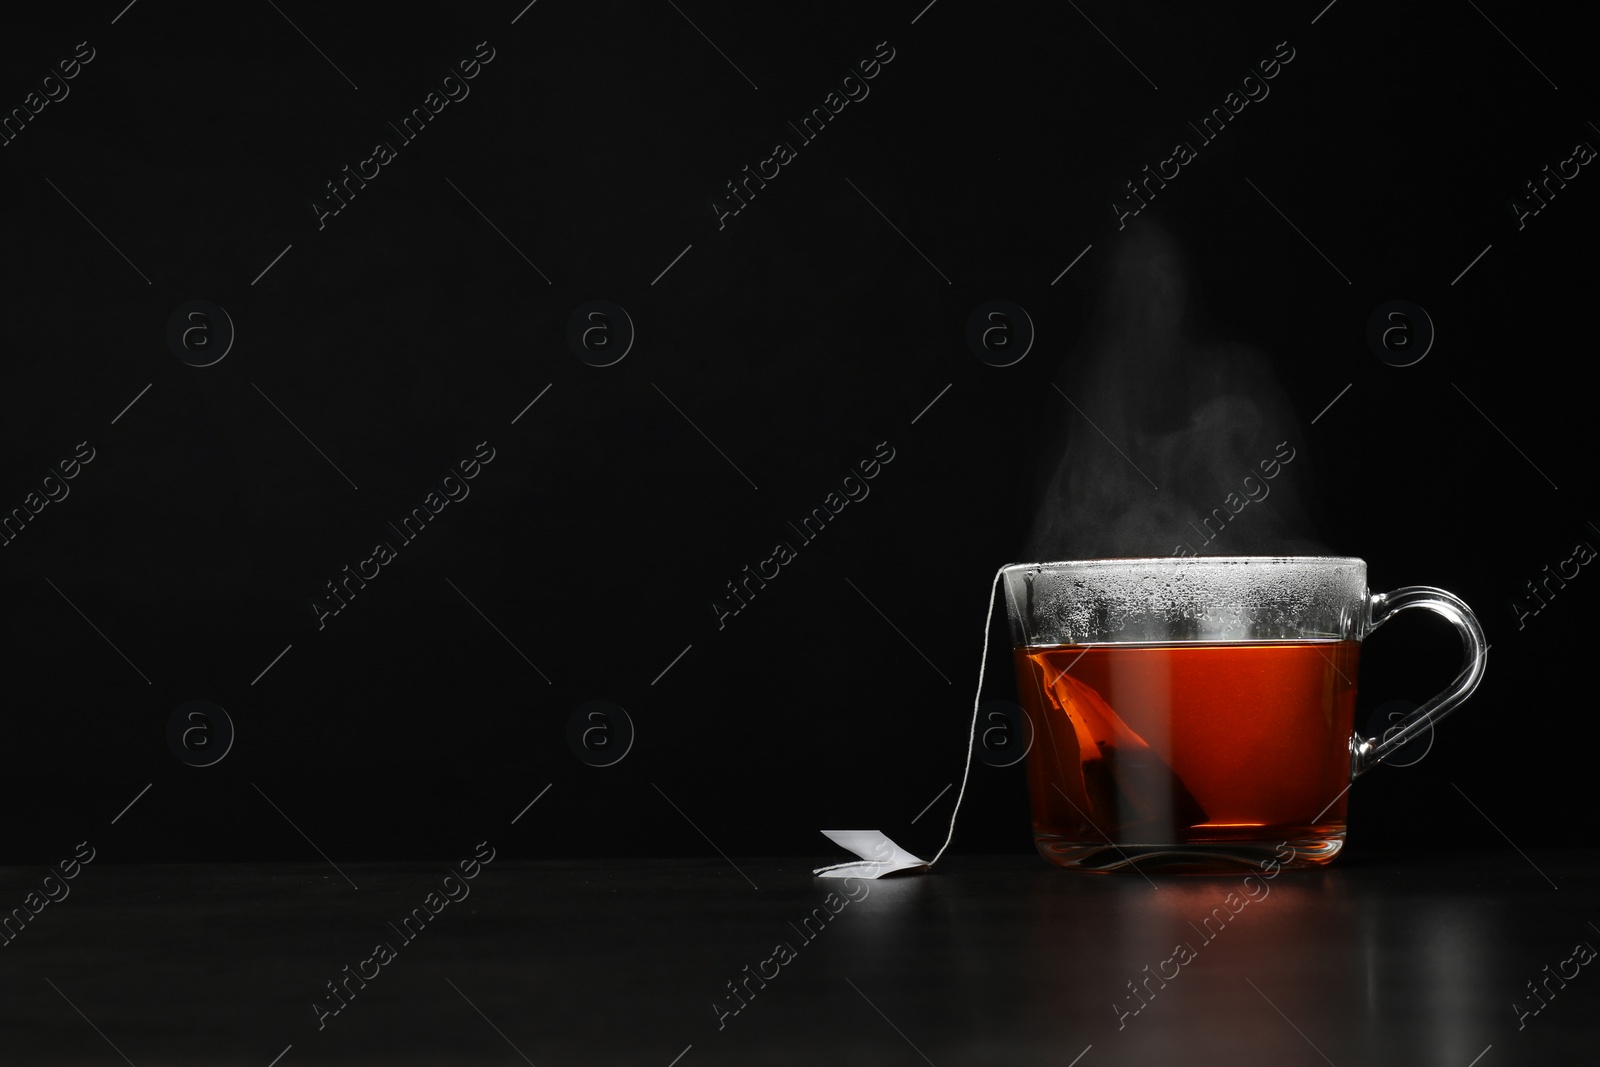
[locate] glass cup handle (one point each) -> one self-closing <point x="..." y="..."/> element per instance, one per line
<point x="1367" y="752"/>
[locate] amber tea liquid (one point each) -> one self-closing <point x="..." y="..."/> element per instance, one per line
<point x="1166" y="749"/>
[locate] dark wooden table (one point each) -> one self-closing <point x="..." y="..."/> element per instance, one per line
<point x="1410" y="960"/>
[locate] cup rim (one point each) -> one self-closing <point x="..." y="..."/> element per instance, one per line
<point x="1182" y="561"/>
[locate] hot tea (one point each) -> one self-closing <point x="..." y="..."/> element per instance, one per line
<point x="1141" y="746"/>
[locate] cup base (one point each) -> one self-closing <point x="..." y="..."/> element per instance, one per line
<point x="1214" y="857"/>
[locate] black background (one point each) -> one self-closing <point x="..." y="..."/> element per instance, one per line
<point x="796" y="338"/>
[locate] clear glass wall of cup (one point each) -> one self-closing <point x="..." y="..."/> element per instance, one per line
<point x="1197" y="713"/>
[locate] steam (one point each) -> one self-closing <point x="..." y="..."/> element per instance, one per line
<point x="1202" y="421"/>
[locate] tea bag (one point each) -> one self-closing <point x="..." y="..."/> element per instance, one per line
<point x="1128" y="775"/>
<point x="1123" y="776"/>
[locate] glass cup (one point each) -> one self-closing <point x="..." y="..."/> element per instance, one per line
<point x="1197" y="713"/>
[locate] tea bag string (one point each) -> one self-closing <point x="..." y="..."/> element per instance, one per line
<point x="972" y="736"/>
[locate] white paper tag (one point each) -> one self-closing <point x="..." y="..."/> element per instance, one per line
<point x="881" y="855"/>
